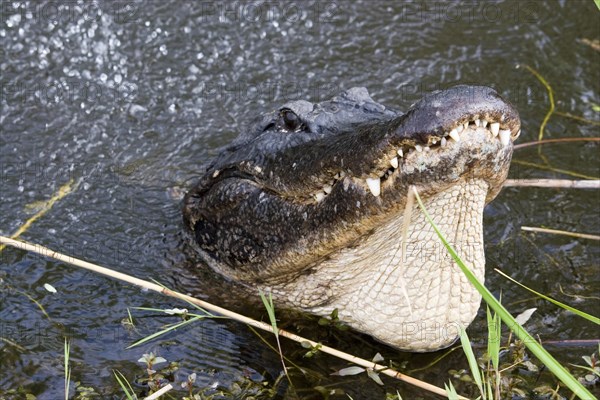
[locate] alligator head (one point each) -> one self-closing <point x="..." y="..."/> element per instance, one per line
<point x="309" y="204"/>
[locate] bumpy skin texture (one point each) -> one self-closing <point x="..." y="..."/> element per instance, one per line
<point x="287" y="208"/>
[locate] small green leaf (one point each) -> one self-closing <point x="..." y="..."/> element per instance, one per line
<point x="349" y="371"/>
<point x="334" y="314"/>
<point x="450" y="391"/>
<point x="525" y="315"/>
<point x="375" y="376"/>
<point x="466" y="345"/>
<point x="158" y="360"/>
<point x="378" y="358"/>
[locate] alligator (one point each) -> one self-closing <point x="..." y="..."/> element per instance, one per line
<point x="310" y="205"/>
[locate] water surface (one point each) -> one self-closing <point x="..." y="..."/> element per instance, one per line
<point x="129" y="99"/>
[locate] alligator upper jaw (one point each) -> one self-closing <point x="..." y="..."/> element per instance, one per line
<point x="477" y="146"/>
<point x="370" y="153"/>
<point x="323" y="193"/>
<point x="436" y="124"/>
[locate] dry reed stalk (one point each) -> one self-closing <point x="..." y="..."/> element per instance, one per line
<point x="382" y="369"/>
<point x="553" y="183"/>
<point x="559" y="232"/>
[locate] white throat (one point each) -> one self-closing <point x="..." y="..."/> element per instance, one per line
<point x="415" y="301"/>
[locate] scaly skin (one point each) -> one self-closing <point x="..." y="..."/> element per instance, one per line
<point x="309" y="203"/>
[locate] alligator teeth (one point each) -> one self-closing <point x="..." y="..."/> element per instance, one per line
<point x="477" y="122"/>
<point x="454" y="135"/>
<point x="459" y="129"/>
<point x="394" y="162"/>
<point x="374" y="185"/>
<point x="505" y="137"/>
<point x="466" y="124"/>
<point x="434" y="140"/>
<point x="419" y="148"/>
<point x="426" y="148"/>
<point x="518" y="134"/>
<point x="400" y="153"/>
<point x="443" y="142"/>
<point x="319" y="196"/>
<point x="495" y="127"/>
<point x="327" y="189"/>
<point x="484" y="123"/>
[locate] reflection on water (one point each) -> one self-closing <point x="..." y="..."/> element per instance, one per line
<point x="131" y="98"/>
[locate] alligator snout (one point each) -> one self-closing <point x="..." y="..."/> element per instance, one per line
<point x="441" y="112"/>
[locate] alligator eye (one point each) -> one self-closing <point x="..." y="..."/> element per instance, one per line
<point x="291" y="121"/>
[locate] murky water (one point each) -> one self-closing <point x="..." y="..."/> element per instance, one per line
<point x="130" y="98"/>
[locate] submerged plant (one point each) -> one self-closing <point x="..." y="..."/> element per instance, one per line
<point x="333" y="321"/>
<point x="157" y="379"/>
<point x="592" y="369"/>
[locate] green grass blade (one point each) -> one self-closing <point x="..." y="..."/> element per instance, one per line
<point x="493" y="348"/>
<point x="582" y="314"/>
<point x="494" y="336"/>
<point x="589" y="369"/>
<point x="67" y="369"/>
<point x="489" y="389"/>
<point x="130" y="318"/>
<point x="468" y="350"/>
<point x="189" y="314"/>
<point x="126" y="389"/>
<point x="196" y="306"/>
<point x="536" y="349"/>
<point x="268" y="302"/>
<point x="450" y="391"/>
<point x="166" y="330"/>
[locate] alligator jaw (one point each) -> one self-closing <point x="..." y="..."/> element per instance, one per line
<point x="409" y="155"/>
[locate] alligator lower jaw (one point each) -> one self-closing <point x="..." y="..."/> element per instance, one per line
<point x="411" y="296"/>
